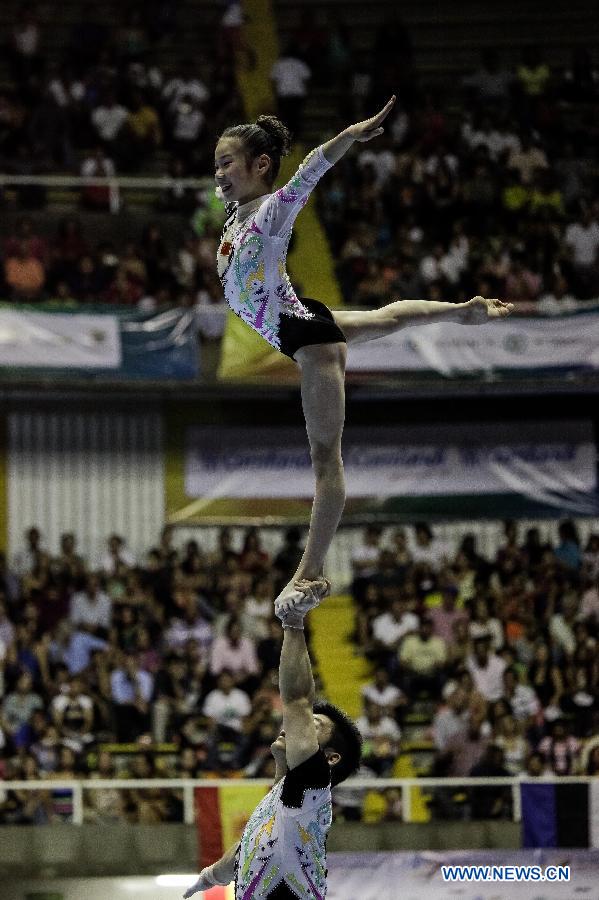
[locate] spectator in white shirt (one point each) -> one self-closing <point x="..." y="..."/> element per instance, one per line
<point x="364" y="561"/>
<point x="521" y="697"/>
<point x="381" y="736"/>
<point x="384" y="694"/>
<point x="185" y="84"/>
<point x="102" y="196"/>
<point x="290" y="76"/>
<point x="589" y="606"/>
<point x="561" y="626"/>
<point x="227" y="705"/>
<point x="391" y="627"/>
<point x="483" y="625"/>
<point x="117" y="560"/>
<point x="108" y="118"/>
<point x="427" y="548"/>
<point x="582" y="240"/>
<point x="187" y="124"/>
<point x="91" y="608"/>
<point x="27" y="560"/>
<point x="558" y="298"/>
<point x="487" y="670"/>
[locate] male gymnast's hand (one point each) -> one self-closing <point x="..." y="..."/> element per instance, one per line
<point x="205" y="881"/>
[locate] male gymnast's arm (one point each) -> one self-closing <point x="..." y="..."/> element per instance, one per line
<point x="221" y="872"/>
<point x="296" y="685"/>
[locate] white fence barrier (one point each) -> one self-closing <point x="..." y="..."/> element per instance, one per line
<point x="188" y="785"/>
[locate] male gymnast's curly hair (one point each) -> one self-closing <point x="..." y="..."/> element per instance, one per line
<point x="345" y="739"/>
<point x="266" y="135"/>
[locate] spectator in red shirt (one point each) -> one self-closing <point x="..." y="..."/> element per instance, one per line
<point x="24" y="274"/>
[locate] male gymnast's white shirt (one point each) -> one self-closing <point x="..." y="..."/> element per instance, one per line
<point x="282" y="852"/>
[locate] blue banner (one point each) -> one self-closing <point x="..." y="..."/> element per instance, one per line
<point x="98" y="341"/>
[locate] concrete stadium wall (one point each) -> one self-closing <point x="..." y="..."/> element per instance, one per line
<point x="106" y="850"/>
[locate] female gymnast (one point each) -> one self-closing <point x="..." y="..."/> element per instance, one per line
<point x="251" y="265"/>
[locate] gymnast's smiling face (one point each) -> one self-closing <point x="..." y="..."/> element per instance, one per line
<point x="238" y="177"/>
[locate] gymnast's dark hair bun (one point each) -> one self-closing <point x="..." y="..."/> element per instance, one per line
<point x="277" y="132"/>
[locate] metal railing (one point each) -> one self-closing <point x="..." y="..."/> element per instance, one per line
<point x="78" y="787"/>
<point x="113" y="184"/>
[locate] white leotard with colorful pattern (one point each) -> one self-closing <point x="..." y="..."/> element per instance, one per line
<point x="253" y="250"/>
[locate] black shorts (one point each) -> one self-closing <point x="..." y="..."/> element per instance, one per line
<point x="320" y="329"/>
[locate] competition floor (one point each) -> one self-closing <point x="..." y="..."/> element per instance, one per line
<point x="355" y="876"/>
<point x="416" y="876"/>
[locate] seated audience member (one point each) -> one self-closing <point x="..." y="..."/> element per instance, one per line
<point x="364" y="561"/>
<point x="467" y="748"/>
<point x="513" y="743"/>
<point x="446" y="615"/>
<point x="91" y="608"/>
<point x="560" y="750"/>
<point x="384" y="694"/>
<point x="486" y="669"/>
<point x="381" y="737"/>
<point x="490" y="802"/>
<point x="483" y="625"/>
<point x="546" y="678"/>
<point x="390" y="628"/>
<point x="227" y="705"/>
<point x="522" y="699"/>
<point x="73" y="714"/>
<point x="422" y="659"/>
<point x="117" y="560"/>
<point x="18" y="706"/>
<point x="24" y="274"/>
<point x="131" y="690"/>
<point x="452" y="718"/>
<point x="236" y="654"/>
<point x="426" y="548"/>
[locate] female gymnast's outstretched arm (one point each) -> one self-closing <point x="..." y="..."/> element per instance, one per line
<point x="251" y="262"/>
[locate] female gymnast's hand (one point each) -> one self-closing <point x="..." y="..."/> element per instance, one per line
<point x="479" y="310"/>
<point x="370" y="128"/>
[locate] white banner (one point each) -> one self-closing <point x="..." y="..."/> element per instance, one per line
<point x="537" y="462"/>
<point x="55" y="340"/>
<point x="567" y="341"/>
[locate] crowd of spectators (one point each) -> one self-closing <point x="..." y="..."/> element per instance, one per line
<point x="71" y="267"/>
<point x="167" y="664"/>
<point x="504" y="649"/>
<point x="484" y="186"/>
<point x="174" y="654"/>
<point x="107" y="87"/>
<point x="487" y="189"/>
